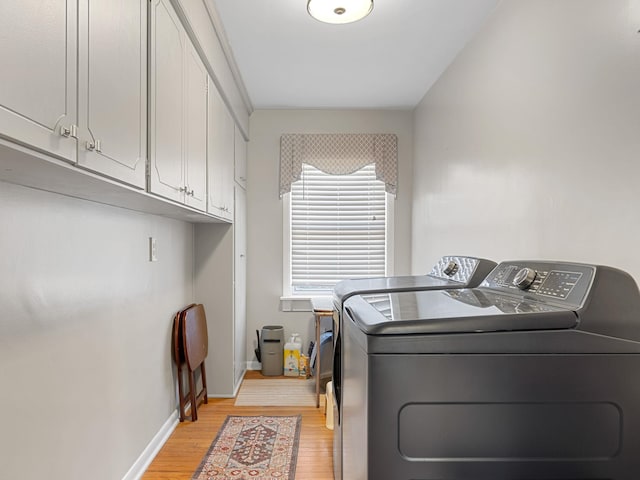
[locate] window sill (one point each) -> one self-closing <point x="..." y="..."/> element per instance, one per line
<point x="298" y="303"/>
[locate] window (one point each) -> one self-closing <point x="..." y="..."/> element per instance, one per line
<point x="337" y="230"/>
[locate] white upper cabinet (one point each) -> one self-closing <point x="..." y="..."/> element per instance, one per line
<point x="38" y="84"/>
<point x="240" y="159"/>
<point x="165" y="101"/>
<point x="112" y="106"/>
<point x="196" y="129"/>
<point x="221" y="156"/>
<point x="97" y="83"/>
<point x="178" y="111"/>
<point x="74" y="82"/>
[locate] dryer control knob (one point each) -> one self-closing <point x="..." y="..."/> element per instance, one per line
<point x="451" y="268"/>
<point x="524" y="278"/>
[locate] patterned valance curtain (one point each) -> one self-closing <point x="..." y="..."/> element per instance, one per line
<point x="339" y="154"/>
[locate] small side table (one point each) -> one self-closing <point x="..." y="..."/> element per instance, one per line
<point x="322" y="307"/>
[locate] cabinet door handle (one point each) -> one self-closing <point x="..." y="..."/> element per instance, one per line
<point x="97" y="146"/>
<point x="70" y="132"/>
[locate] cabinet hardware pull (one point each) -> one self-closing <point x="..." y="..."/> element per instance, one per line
<point x="98" y="146"/>
<point x="90" y="145"/>
<point x="70" y="131"/>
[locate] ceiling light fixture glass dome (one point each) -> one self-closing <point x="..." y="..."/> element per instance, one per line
<point x="339" y="11"/>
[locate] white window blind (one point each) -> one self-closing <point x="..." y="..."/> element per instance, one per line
<point x="338" y="228"/>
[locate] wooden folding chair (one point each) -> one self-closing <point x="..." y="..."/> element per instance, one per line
<point x="190" y="348"/>
<point x="178" y="357"/>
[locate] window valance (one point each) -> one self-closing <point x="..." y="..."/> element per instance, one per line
<point x="339" y="154"/>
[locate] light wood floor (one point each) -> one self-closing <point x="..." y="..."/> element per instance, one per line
<point x="181" y="455"/>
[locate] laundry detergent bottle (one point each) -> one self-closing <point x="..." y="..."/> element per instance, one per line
<point x="292" y="356"/>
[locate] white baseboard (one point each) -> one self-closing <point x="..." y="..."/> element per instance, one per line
<point x="254" y="365"/>
<point x="232" y="395"/>
<point x="144" y="460"/>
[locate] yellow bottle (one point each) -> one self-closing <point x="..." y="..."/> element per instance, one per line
<point x="292" y="356"/>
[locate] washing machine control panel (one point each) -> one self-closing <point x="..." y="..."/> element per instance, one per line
<point x="566" y="283"/>
<point x="525" y="278"/>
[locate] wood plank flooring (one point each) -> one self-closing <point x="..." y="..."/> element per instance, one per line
<point x="181" y="455"/>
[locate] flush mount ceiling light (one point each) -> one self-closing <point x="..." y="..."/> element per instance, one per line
<point x="339" y="11"/>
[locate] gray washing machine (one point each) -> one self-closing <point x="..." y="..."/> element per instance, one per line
<point x="452" y="271"/>
<point x="531" y="376"/>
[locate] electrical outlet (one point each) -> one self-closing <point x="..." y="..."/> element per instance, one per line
<point x="153" y="253"/>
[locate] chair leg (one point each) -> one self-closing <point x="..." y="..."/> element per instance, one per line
<point x="181" y="394"/>
<point x="192" y="388"/>
<point x="204" y="382"/>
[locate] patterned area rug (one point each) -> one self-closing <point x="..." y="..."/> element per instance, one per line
<point x="256" y="448"/>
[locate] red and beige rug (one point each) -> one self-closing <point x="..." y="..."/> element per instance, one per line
<point x="253" y="448"/>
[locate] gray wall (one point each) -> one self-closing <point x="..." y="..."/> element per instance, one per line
<point x="85" y="332"/>
<point x="264" y="208"/>
<point x="529" y="145"/>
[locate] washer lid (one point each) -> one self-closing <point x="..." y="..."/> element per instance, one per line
<point x="451" y="271"/>
<point x="349" y="288"/>
<point x="454" y="311"/>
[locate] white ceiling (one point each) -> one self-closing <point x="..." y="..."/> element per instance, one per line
<point x="387" y="60"/>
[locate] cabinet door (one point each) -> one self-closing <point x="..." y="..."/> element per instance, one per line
<point x="240" y="168"/>
<point x="240" y="284"/>
<point x="227" y="174"/>
<point x="112" y="107"/>
<point x="196" y="129"/>
<point x="38" y="84"/>
<point x="166" y="102"/>
<point x="220" y="156"/>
